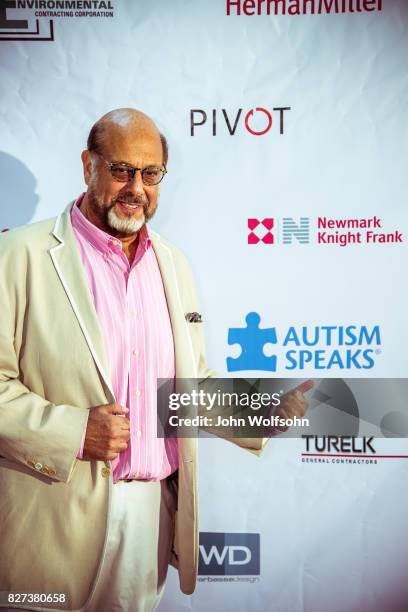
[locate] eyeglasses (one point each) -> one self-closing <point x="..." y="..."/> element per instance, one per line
<point x="151" y="175"/>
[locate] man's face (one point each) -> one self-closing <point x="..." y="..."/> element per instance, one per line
<point x="123" y="207"/>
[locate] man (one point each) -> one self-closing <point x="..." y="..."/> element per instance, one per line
<point x="93" y="505"/>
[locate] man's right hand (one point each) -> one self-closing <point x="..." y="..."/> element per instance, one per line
<point x="107" y="433"/>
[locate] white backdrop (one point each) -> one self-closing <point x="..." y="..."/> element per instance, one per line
<point x="332" y="536"/>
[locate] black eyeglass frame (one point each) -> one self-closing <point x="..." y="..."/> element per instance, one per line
<point x="132" y="170"/>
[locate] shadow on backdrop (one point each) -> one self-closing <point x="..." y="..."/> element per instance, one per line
<point x="19" y="199"/>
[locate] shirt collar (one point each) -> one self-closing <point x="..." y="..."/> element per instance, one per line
<point x="99" y="239"/>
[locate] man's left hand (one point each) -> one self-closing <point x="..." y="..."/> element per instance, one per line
<point x="293" y="403"/>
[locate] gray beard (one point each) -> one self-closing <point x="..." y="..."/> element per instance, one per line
<point x="125" y="226"/>
<point x="111" y="220"/>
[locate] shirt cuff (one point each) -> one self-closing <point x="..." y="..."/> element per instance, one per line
<point x="81" y="448"/>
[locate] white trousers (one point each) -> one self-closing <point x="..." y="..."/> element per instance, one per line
<point x="137" y="554"/>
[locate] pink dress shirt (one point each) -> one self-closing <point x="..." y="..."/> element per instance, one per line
<point x="134" y="320"/>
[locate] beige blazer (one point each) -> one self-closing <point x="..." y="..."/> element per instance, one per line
<point x="54" y="509"/>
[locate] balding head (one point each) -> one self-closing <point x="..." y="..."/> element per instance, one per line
<point x="124" y="138"/>
<point x="121" y="126"/>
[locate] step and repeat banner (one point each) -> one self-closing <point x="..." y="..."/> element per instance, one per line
<point x="287" y="191"/>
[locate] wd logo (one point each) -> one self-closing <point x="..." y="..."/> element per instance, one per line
<point x="229" y="554"/>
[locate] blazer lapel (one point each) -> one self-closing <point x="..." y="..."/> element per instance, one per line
<point x="183" y="347"/>
<point x="68" y="265"/>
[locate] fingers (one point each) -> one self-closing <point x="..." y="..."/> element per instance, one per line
<point x="116" y="409"/>
<point x="107" y="433"/>
<point x="294" y="403"/>
<point x="305" y="386"/>
<point x="124" y="424"/>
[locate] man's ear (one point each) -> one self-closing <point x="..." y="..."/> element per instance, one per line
<point x="87" y="165"/>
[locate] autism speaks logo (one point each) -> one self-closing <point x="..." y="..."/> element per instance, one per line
<point x="321" y="347"/>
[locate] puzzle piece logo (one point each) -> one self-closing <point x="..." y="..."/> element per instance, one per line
<point x="252" y="340"/>
<point x="256" y="224"/>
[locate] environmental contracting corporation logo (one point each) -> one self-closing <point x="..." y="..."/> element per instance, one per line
<point x="23" y="20"/>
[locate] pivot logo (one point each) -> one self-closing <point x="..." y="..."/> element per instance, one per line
<point x="288" y="231"/>
<point x="229" y="554"/>
<point x="325" y="347"/>
<point x="258" y="121"/>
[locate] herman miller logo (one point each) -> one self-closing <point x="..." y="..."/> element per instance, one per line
<point x="299" y="7"/>
<point x="229" y="554"/>
<point x="320" y="347"/>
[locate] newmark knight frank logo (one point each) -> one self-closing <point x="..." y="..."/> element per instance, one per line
<point x="32" y="20"/>
<point x="321" y="231"/>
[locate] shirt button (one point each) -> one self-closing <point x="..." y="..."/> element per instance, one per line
<point x="114" y="243"/>
<point x="135" y="352"/>
<point x="138" y="393"/>
<point x="138" y="433"/>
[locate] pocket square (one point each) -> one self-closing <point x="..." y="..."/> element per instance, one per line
<point x="193" y="317"/>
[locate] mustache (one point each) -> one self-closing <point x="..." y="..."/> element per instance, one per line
<point x="129" y="198"/>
